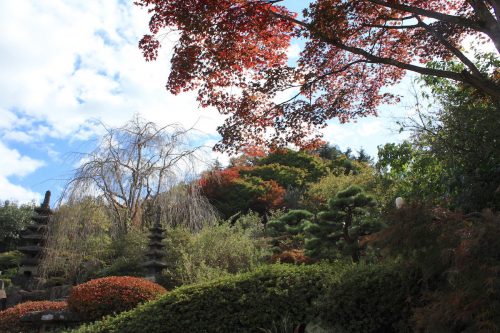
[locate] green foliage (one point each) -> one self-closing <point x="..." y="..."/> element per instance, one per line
<point x="342" y="225"/>
<point x="213" y="252"/>
<point x="284" y="175"/>
<point x="313" y="165"/>
<point x="14" y="219"/>
<point x="373" y="298"/>
<point x="234" y="195"/>
<point x="10" y="260"/>
<point x="411" y="173"/>
<point x="124" y="256"/>
<point x="78" y="240"/>
<point x="453" y="158"/>
<point x="287" y="232"/>
<point x="291" y="223"/>
<point x="243" y="303"/>
<point x="458" y="256"/>
<point x="327" y="187"/>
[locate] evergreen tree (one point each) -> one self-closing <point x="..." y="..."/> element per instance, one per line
<point x="341" y="226"/>
<point x="287" y="231"/>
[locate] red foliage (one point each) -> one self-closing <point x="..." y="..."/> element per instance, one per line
<point x="353" y="49"/>
<point x="273" y="197"/>
<point x="113" y="294"/>
<point x="10" y="319"/>
<point x="294" y="256"/>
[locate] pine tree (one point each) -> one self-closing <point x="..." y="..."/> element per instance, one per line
<point x="287" y="231"/>
<point x="340" y="227"/>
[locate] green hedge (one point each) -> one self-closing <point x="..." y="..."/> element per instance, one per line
<point x="242" y="303"/>
<point x="347" y="298"/>
<point x="372" y="298"/>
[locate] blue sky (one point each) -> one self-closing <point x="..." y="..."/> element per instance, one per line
<point x="67" y="65"/>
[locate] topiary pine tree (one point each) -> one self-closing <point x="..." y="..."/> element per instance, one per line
<point x="340" y="227"/>
<point x="287" y="231"/>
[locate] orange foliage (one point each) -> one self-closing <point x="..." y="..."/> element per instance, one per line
<point x="113" y="294"/>
<point x="10" y="319"/>
<point x="294" y="256"/>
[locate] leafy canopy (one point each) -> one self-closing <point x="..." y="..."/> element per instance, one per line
<point x="234" y="54"/>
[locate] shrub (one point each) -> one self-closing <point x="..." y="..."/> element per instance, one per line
<point x="213" y="252"/>
<point x="10" y="259"/>
<point x="242" y="303"/>
<point x="294" y="256"/>
<point x="10" y="319"/>
<point x="109" y="295"/>
<point x="372" y="298"/>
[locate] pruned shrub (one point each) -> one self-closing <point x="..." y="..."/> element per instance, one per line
<point x="10" y="319"/>
<point x="114" y="294"/>
<point x="372" y="298"/>
<point x="242" y="303"/>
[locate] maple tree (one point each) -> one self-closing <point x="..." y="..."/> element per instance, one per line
<point x="234" y="54"/>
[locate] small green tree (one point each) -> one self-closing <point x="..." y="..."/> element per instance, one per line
<point x="14" y="219"/>
<point x="340" y="227"/>
<point x="287" y="230"/>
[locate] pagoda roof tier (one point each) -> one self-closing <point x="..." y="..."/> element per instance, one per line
<point x="30" y="249"/>
<point x="41" y="219"/>
<point x="157" y="228"/>
<point x="155" y="263"/>
<point x="156" y="237"/>
<point x="33" y="236"/>
<point x="37" y="227"/>
<point x="156" y="245"/>
<point x="155" y="253"/>
<point x="30" y="262"/>
<point x="43" y="211"/>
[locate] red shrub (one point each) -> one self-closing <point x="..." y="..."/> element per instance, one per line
<point x="10" y="319"/>
<point x="113" y="294"/>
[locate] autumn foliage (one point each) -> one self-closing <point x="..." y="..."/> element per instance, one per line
<point x="10" y="319"/>
<point x="113" y="294"/>
<point x="353" y="49"/>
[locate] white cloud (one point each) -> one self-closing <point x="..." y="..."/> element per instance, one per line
<point x="67" y="62"/>
<point x="370" y="128"/>
<point x="293" y="51"/>
<point x="16" y="165"/>
<point x="9" y="191"/>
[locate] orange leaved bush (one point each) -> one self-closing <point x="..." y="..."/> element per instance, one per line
<point x="97" y="298"/>
<point x="10" y="319"/>
<point x="294" y="256"/>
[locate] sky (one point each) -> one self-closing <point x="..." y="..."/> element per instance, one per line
<point x="68" y="65"/>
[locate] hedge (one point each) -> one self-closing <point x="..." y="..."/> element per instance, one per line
<point x="346" y="298"/>
<point x="372" y="298"/>
<point x="241" y="303"/>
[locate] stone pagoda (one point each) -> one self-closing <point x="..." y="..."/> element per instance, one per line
<point x="156" y="251"/>
<point x="35" y="239"/>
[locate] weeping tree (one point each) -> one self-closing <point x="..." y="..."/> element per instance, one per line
<point x="136" y="170"/>
<point x="131" y="167"/>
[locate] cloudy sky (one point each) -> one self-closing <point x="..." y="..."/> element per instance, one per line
<point x="66" y="65"/>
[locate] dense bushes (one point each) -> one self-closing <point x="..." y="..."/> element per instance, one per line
<point x="213" y="252"/>
<point x="114" y="294"/>
<point x="10" y="319"/>
<point x="242" y="303"/>
<point x="375" y="298"/>
<point x="459" y="257"/>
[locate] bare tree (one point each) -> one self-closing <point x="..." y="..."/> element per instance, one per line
<point x="131" y="166"/>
